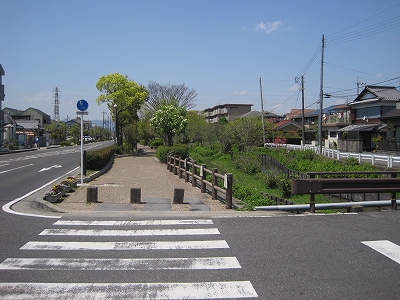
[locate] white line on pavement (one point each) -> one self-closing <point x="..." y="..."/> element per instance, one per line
<point x="133" y="223"/>
<point x="160" y="291"/>
<point x="386" y="248"/>
<point x="150" y="245"/>
<point x="206" y="263"/>
<point x="146" y="232"/>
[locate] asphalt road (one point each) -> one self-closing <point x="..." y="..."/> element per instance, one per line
<point x="240" y="257"/>
<point x="21" y="173"/>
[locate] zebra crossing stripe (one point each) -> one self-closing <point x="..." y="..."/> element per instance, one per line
<point x="386" y="248"/>
<point x="147" y="245"/>
<point x="203" y="263"/>
<point x="160" y="291"/>
<point x="151" y="232"/>
<point x="134" y="223"/>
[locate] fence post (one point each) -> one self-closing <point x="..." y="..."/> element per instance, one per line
<point x="228" y="195"/>
<point x="203" y="178"/>
<point x="193" y="174"/>
<point x="312" y="203"/>
<point x="175" y="168"/>
<point x="214" y="183"/>
<point x="186" y="170"/>
<point x="171" y="159"/>
<point x="168" y="159"/>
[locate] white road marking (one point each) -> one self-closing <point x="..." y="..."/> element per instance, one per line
<point x="149" y="245"/>
<point x="203" y="263"/>
<point x="159" y="291"/>
<point x="7" y="207"/>
<point x="16" y="168"/>
<point x="46" y="169"/>
<point x="146" y="232"/>
<point x="133" y="223"/>
<point x="386" y="248"/>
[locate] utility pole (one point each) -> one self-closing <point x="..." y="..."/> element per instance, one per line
<point x="262" y="113"/>
<point x="56" y="105"/>
<point x="321" y="98"/>
<point x="2" y="95"/>
<point x="358" y="86"/>
<point x="296" y="79"/>
<point x="303" y="140"/>
<point x="103" y="118"/>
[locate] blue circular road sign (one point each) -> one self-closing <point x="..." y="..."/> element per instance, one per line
<point x="82" y="105"/>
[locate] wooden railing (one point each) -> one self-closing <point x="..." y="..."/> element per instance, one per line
<point x="317" y="184"/>
<point x="197" y="174"/>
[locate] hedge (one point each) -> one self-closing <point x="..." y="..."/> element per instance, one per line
<point x="162" y="152"/>
<point x="98" y="159"/>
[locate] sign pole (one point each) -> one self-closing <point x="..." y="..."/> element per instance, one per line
<point x="82" y="106"/>
<point x="81" y="149"/>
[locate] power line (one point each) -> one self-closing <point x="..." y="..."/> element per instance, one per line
<point x="364" y="32"/>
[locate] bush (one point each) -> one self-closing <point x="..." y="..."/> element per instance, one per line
<point x="98" y="159"/>
<point x="156" y="143"/>
<point x="163" y="151"/>
<point x="250" y="196"/>
<point x="248" y="163"/>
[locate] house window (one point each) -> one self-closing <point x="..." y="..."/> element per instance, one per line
<point x="332" y="134"/>
<point x="368" y="112"/>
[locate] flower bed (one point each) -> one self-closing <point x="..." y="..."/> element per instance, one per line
<point x="60" y="190"/>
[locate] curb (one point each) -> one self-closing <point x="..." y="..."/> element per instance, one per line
<point x="44" y="205"/>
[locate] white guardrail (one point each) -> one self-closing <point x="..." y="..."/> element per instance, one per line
<point x="374" y="159"/>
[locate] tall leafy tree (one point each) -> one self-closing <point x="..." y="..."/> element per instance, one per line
<point x="126" y="94"/>
<point x="168" y="120"/>
<point x="247" y="132"/>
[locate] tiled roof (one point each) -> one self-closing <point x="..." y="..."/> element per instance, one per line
<point x="363" y="127"/>
<point x="386" y="93"/>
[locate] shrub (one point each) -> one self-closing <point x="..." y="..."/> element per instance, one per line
<point x="156" y="143"/>
<point x="250" y="196"/>
<point x="98" y="159"/>
<point x="163" y="151"/>
<point x="248" y="163"/>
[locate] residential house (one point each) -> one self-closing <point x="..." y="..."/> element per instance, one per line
<point x="367" y="110"/>
<point x="228" y="111"/>
<point x="24" y="126"/>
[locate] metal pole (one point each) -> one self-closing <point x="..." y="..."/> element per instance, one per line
<point x="303" y="140"/>
<point x="1" y="100"/>
<point x="321" y="97"/>
<point x="81" y="149"/>
<point x="115" y="126"/>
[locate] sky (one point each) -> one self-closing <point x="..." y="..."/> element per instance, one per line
<point x="220" y="48"/>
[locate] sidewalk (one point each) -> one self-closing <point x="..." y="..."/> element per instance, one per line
<point x="152" y="177"/>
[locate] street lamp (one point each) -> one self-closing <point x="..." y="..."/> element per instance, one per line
<point x="115" y="126"/>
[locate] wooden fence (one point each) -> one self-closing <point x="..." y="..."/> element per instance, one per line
<point x="197" y="174"/>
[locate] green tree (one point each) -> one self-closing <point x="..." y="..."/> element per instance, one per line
<point x="58" y="131"/>
<point x="132" y="135"/>
<point x="124" y="98"/>
<point x="247" y="132"/>
<point x="197" y="127"/>
<point x="168" y="120"/>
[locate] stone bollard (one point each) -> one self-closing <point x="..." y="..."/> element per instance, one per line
<point x="178" y="196"/>
<point x="91" y="194"/>
<point x="136" y="194"/>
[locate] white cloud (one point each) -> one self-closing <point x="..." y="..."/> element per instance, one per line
<point x="294" y="88"/>
<point x="240" y="93"/>
<point x="269" y="26"/>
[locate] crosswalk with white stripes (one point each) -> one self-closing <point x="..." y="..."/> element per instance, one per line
<point x="55" y="246"/>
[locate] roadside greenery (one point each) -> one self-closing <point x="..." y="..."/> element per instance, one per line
<point x="251" y="181"/>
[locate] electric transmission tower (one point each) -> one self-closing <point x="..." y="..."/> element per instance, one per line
<point x="56" y="102"/>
